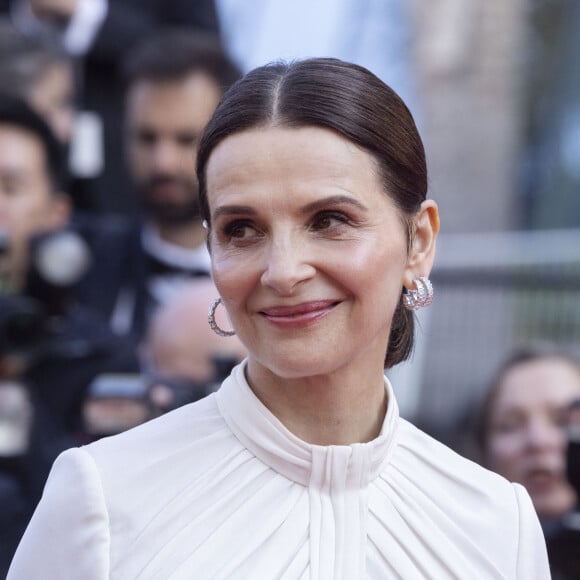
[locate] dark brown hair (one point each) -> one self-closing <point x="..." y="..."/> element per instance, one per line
<point x="345" y="98"/>
<point x="18" y="113"/>
<point x="172" y="54"/>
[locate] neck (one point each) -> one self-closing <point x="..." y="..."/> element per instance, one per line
<point x="190" y="235"/>
<point x="338" y="409"/>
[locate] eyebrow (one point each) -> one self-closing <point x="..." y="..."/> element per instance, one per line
<point x="233" y="210"/>
<point x="308" y="208"/>
<point x="332" y="200"/>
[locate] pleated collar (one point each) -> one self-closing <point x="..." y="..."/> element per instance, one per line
<point x="348" y="466"/>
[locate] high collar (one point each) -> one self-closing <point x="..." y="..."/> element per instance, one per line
<point x="263" y="434"/>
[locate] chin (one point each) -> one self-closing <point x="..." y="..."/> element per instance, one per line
<point x="300" y="366"/>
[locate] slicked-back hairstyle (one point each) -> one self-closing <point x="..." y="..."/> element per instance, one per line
<point x="349" y="100"/>
<point x="16" y="112"/>
<point x="174" y="53"/>
<point x="24" y="60"/>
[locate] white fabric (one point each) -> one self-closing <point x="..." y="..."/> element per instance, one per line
<point x="164" y="287"/>
<point x="172" y="254"/>
<point x="221" y="489"/>
<point x="84" y="26"/>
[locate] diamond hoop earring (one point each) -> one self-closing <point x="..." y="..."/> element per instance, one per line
<point x="211" y="319"/>
<point x="421" y="296"/>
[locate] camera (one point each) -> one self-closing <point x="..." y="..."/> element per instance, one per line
<point x="169" y="392"/>
<point x="29" y="318"/>
<point x="30" y="326"/>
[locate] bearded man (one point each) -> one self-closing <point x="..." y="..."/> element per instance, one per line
<point x="174" y="82"/>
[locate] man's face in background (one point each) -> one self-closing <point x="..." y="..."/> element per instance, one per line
<point x="164" y="123"/>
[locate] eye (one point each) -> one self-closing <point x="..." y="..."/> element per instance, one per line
<point x="508" y="425"/>
<point x="239" y="230"/>
<point x="11" y="187"/>
<point x="144" y="137"/>
<point x="328" y="219"/>
<point x="187" y="139"/>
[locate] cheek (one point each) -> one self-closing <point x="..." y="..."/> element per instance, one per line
<point x="233" y="275"/>
<point x="377" y="274"/>
<point x="139" y="157"/>
<point x="503" y="450"/>
<point x="24" y="218"/>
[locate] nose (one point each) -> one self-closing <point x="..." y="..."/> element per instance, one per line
<point x="165" y="157"/>
<point x="287" y="265"/>
<point x="544" y="435"/>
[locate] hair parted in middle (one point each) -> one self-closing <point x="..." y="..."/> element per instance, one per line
<point x="345" y="98"/>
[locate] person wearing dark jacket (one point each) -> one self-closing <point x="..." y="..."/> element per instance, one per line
<point x="174" y="82"/>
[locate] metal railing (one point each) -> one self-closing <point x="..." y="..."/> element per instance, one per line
<point x="494" y="292"/>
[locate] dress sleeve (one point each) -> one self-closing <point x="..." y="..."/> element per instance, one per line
<point x="68" y="535"/>
<point x="532" y="562"/>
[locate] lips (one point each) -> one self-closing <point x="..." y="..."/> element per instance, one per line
<point x="542" y="478"/>
<point x="298" y="314"/>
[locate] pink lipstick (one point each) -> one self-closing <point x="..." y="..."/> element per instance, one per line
<point x="298" y="315"/>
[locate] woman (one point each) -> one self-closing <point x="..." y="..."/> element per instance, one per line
<point x="313" y="187"/>
<point x="522" y="425"/>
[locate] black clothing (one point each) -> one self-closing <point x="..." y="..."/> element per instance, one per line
<point x="121" y="274"/>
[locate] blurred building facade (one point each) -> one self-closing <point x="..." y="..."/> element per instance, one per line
<point x="470" y="58"/>
<point x="499" y="89"/>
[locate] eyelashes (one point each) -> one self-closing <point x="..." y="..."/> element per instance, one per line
<point x="238" y="229"/>
<point x="328" y="219"/>
<point x="329" y="224"/>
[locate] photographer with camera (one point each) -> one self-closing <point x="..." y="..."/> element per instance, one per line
<point x="183" y="359"/>
<point x="50" y="348"/>
<point x="524" y="431"/>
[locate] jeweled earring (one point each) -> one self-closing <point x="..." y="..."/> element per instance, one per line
<point x="211" y="319"/>
<point x="421" y="296"/>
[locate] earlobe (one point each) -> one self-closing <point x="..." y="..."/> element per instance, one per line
<point x="422" y="252"/>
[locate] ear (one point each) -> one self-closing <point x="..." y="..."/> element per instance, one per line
<point x="60" y="211"/>
<point x="422" y="251"/>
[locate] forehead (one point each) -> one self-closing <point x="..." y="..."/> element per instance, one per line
<point x="277" y="156"/>
<point x="20" y="148"/>
<point x="181" y="102"/>
<point x="542" y="383"/>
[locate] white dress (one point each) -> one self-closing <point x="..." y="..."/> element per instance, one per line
<point x="221" y="489"/>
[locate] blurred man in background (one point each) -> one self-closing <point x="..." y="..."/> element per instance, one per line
<point x="184" y="360"/>
<point x="97" y="34"/>
<point x="174" y="82"/>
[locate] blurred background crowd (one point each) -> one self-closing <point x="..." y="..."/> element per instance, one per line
<point x="104" y="273"/>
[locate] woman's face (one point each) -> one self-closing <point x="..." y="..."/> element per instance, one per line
<point x="309" y="254"/>
<point x="526" y="441"/>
